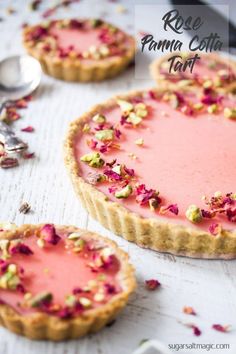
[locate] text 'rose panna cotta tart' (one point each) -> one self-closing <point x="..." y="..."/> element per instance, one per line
<point x="210" y="71"/>
<point x="158" y="168"/>
<point x="60" y="282"/>
<point x="80" y="49"/>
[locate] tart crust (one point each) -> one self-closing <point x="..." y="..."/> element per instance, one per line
<point x="145" y="232"/>
<point x="43" y="326"/>
<point x="164" y="82"/>
<point x="73" y="69"/>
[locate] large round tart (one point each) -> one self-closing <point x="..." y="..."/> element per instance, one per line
<point x="60" y="282"/>
<point x="158" y="168"/>
<point x="79" y="49"/>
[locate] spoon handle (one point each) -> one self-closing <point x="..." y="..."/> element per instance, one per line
<point x="10" y="141"/>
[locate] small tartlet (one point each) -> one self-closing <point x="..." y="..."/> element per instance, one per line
<point x="27" y="263"/>
<point x="103" y="51"/>
<point x="210" y="71"/>
<point x="143" y="227"/>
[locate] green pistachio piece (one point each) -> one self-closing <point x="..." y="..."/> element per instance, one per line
<point x="207" y="84"/>
<point x="37" y="299"/>
<point x="96" y="22"/>
<point x="134" y="119"/>
<point x="230" y="113"/>
<point x="212" y="108"/>
<point x="99" y="118"/>
<point x="198" y="106"/>
<point x="124" y="192"/>
<point x="193" y="214"/>
<point x="9" y="281"/>
<point x="93" y="159"/>
<point x="85" y="302"/>
<point x="141" y="113"/>
<point x="106" y="134"/>
<point x="4" y="246"/>
<point x="125" y="106"/>
<point x="74" y="236"/>
<point x="79" y="245"/>
<point x="70" y="300"/>
<point x="86" y="128"/>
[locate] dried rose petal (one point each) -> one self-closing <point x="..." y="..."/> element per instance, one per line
<point x="189" y="310"/>
<point x="48" y="233"/>
<point x="215" y="229"/>
<point x="28" y="129"/>
<point x="8" y="162"/>
<point x="220" y="328"/>
<point x="173" y="208"/>
<point x="28" y="155"/>
<point x="152" y="284"/>
<point x="21" y="248"/>
<point x="196" y="331"/>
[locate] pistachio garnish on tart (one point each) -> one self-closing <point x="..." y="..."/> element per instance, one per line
<point x="210" y="71"/>
<point x="80" y="49"/>
<point x="60" y="282"/>
<point x="166" y="198"/>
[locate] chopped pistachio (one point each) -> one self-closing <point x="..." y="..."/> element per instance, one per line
<point x="198" y="106"/>
<point x="98" y="297"/>
<point x="9" y="281"/>
<point x="139" y="141"/>
<point x="99" y="118"/>
<point x="40" y="242"/>
<point x="134" y="119"/>
<point x="86" y="128"/>
<point x="125" y="106"/>
<point x="106" y="134"/>
<point x="12" y="268"/>
<point x="74" y="236"/>
<point x="27" y="296"/>
<point x="4" y="246"/>
<point x="207" y="84"/>
<point x="142" y="113"/>
<point x="92" y="49"/>
<point x="85" y="302"/>
<point x="217" y="194"/>
<point x="93" y="159"/>
<point x="230" y="113"/>
<point x="96" y="22"/>
<point x="193" y="213"/>
<point x="104" y="50"/>
<point x="233" y="196"/>
<point x="79" y="245"/>
<point x="212" y="108"/>
<point x="153" y="204"/>
<point x="36" y="300"/>
<point x="124" y="192"/>
<point x="70" y="300"/>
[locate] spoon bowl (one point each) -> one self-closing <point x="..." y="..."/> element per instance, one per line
<point x="19" y="76"/>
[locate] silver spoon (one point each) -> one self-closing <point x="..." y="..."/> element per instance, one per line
<point x="19" y="76"/>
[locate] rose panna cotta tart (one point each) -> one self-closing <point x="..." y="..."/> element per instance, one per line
<point x="60" y="282"/>
<point x="210" y="71"/>
<point x="158" y="168"/>
<point x="80" y="49"/>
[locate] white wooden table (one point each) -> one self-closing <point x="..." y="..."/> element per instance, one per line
<point x="208" y="286"/>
